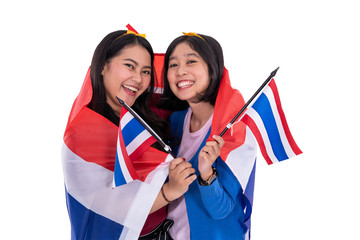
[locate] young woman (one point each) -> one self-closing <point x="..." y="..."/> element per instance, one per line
<point x="122" y="66"/>
<point x="213" y="207"/>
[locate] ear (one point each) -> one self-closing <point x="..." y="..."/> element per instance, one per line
<point x="103" y="69"/>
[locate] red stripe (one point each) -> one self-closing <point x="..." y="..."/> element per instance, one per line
<point x="252" y="125"/>
<point x="93" y="138"/>
<point x="290" y="138"/>
<point x="127" y="160"/>
<point x="142" y="148"/>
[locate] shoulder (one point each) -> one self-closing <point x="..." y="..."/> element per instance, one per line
<point x="177" y="118"/>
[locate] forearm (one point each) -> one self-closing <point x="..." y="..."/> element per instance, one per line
<point x="216" y="200"/>
<point x="160" y="200"/>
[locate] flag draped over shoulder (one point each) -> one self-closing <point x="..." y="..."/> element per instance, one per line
<point x="267" y="121"/>
<point x="239" y="150"/>
<point x="264" y="124"/>
<point x="96" y="208"/>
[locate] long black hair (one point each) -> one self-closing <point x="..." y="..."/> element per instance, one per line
<point x="211" y="52"/>
<point x="110" y="47"/>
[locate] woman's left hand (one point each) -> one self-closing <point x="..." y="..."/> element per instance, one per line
<point x="208" y="154"/>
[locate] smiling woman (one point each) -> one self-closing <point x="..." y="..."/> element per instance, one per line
<point x="127" y="76"/>
<point x="122" y="66"/>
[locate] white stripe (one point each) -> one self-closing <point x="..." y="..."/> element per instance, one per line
<point x="158" y="90"/>
<point x="270" y="95"/>
<point x="91" y="185"/>
<point x="122" y="163"/>
<point x="148" y="191"/>
<point x="260" y="125"/>
<point x="125" y="119"/>
<point x="136" y="142"/>
<point x="242" y="159"/>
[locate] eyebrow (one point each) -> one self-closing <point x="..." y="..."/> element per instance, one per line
<point x="135" y="62"/>
<point x="186" y="55"/>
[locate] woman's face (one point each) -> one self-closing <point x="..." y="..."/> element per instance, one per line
<point x="188" y="73"/>
<point x="127" y="76"/>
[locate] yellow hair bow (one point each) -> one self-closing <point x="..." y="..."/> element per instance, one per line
<point x="193" y="34"/>
<point x="137" y="34"/>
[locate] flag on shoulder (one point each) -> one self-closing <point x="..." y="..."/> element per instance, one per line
<point x="92" y="144"/>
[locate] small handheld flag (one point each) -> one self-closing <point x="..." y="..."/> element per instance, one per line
<point x="272" y="74"/>
<point x="266" y="119"/>
<point x="148" y="128"/>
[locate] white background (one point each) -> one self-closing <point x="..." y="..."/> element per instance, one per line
<point x="46" y="48"/>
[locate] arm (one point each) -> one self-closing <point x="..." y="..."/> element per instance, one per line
<point x="219" y="198"/>
<point x="181" y="175"/>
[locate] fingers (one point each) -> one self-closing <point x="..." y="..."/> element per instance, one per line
<point x="181" y="168"/>
<point x="219" y="140"/>
<point x="214" y="147"/>
<point x="174" y="163"/>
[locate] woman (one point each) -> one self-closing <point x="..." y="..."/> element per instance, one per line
<point x="213" y="205"/>
<point x="122" y="66"/>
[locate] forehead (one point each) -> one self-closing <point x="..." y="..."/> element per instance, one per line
<point x="135" y="51"/>
<point x="183" y="50"/>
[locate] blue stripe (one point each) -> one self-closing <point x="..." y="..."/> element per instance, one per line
<point x="118" y="175"/>
<point x="263" y="108"/>
<point x="131" y="130"/>
<point x="86" y="224"/>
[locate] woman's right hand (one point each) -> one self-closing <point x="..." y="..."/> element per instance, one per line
<point x="181" y="175"/>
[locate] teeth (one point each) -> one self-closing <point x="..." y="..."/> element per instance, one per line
<point x="131" y="88"/>
<point x="183" y="84"/>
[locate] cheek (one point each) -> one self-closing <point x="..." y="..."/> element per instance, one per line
<point x="171" y="79"/>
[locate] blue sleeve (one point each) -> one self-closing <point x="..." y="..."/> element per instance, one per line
<point x="219" y="199"/>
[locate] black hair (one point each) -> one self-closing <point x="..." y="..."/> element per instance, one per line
<point x="211" y="52"/>
<point x="110" y="47"/>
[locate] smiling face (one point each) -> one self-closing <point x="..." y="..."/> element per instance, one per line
<point x="127" y="76"/>
<point x="187" y="73"/>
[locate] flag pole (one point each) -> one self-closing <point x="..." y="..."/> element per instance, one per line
<point x="272" y="74"/>
<point x="148" y="128"/>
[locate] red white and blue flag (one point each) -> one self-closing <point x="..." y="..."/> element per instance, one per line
<point x="240" y="148"/>
<point x="267" y="121"/>
<point x="97" y="209"/>
<point x="133" y="140"/>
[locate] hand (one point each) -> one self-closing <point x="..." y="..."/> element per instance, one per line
<point x="181" y="175"/>
<point x="207" y="156"/>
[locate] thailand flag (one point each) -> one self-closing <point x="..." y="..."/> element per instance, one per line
<point x="267" y="121"/>
<point x="133" y="140"/>
<point x="97" y="209"/>
<point x="240" y="149"/>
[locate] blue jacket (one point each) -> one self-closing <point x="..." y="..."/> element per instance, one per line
<point x="215" y="211"/>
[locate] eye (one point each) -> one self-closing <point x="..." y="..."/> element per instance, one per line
<point x="147" y="72"/>
<point x="129" y="65"/>
<point x="172" y="65"/>
<point x="191" y="61"/>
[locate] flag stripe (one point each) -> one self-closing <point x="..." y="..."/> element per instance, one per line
<point x="123" y="159"/>
<point x="265" y="147"/>
<point x="278" y="119"/>
<point x="134" y="144"/>
<point x="131" y="130"/>
<point x="119" y="178"/>
<point x="263" y="108"/>
<point x="285" y="125"/>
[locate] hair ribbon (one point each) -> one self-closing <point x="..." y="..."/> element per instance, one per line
<point x="191" y="34"/>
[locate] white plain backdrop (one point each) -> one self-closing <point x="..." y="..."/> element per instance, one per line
<point x="46" y="48"/>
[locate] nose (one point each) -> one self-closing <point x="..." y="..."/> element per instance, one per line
<point x="136" y="77"/>
<point x="181" y="70"/>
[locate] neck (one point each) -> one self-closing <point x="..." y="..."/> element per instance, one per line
<point x="201" y="113"/>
